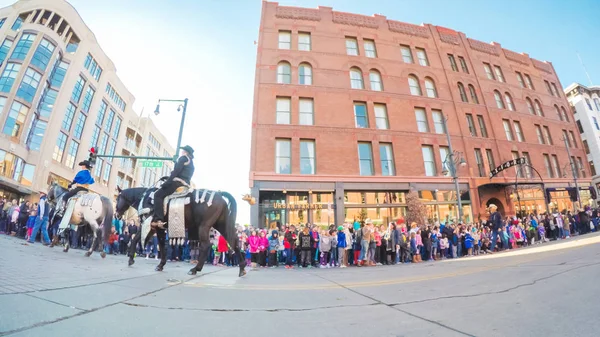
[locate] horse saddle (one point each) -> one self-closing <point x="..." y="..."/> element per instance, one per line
<point x="180" y="192"/>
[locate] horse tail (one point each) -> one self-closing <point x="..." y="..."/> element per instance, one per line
<point x="108" y="217"/>
<point x="230" y="225"/>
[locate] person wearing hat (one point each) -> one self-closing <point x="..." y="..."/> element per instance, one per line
<point x="495" y="223"/>
<point x="181" y="176"/>
<point x="41" y="221"/>
<point x="82" y="181"/>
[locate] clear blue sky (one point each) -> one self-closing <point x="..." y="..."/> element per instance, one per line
<point x="204" y="50"/>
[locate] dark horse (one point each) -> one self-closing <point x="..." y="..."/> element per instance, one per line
<point x="199" y="217"/>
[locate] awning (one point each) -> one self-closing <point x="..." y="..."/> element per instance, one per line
<point x="17" y="188"/>
<point x="571" y="190"/>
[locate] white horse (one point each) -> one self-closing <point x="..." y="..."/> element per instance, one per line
<point x="82" y="209"/>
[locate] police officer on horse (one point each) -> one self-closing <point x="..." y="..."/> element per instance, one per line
<point x="181" y="176"/>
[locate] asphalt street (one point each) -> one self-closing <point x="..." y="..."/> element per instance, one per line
<point x="547" y="290"/>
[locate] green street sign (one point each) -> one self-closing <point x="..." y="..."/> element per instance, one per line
<point x="150" y="163"/>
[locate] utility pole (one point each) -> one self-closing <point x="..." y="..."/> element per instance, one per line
<point x="451" y="161"/>
<point x="574" y="171"/>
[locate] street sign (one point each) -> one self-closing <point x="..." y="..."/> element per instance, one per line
<point x="150" y="163"/>
<point x="510" y="163"/>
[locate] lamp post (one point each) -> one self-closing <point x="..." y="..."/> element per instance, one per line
<point x="450" y="163"/>
<point x="574" y="172"/>
<point x="179" y="108"/>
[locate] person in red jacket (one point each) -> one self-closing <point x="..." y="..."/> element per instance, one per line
<point x="113" y="242"/>
<point x="223" y="249"/>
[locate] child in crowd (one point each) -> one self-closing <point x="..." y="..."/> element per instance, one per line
<point x="443" y="246"/>
<point x="263" y="244"/>
<point x="325" y="248"/>
<point x="435" y="242"/>
<point x="469" y="243"/>
<point x="253" y="248"/>
<point x="414" y="248"/>
<point x="334" y="252"/>
<point x="273" y="248"/>
<point x="306" y="242"/>
<point x="342" y="244"/>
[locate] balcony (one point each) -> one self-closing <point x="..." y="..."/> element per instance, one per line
<point x="131" y="146"/>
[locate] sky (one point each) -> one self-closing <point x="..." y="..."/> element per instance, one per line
<point x="204" y="50"/>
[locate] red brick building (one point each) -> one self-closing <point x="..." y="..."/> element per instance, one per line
<point x="348" y="117"/>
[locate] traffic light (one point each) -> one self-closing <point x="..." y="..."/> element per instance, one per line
<point x="92" y="158"/>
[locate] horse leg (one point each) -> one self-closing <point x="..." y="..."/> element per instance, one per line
<point x="202" y="255"/>
<point x="241" y="258"/>
<point x="94" y="242"/>
<point x="134" y="242"/>
<point x="161" y="235"/>
<point x="67" y="235"/>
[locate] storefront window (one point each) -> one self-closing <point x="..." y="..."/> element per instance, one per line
<point x="27" y="176"/>
<point x="379" y="215"/>
<point x="374" y="198"/>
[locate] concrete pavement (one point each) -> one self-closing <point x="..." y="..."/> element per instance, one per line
<point x="548" y="290"/>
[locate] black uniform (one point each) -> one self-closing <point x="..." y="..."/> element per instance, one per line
<point x="184" y="170"/>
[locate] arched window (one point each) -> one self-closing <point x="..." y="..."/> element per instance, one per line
<point x="284" y="73"/>
<point x="413" y="84"/>
<point x="463" y="94"/>
<point x="538" y="108"/>
<point x="558" y="112"/>
<point x="564" y="113"/>
<point x="529" y="106"/>
<point x="305" y="74"/>
<point x="498" y="98"/>
<point x="509" y="102"/>
<point x="356" y="79"/>
<point x="430" y="88"/>
<point x="375" y="79"/>
<point x="473" y="94"/>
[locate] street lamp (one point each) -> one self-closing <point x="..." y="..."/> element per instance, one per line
<point x="452" y="160"/>
<point x="179" y="108"/>
<point x="575" y="173"/>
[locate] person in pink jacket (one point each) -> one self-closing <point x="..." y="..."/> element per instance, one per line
<point x="263" y="245"/>
<point x="253" y="242"/>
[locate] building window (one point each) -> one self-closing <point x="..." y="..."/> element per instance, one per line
<point x="482" y="127"/>
<point x="555" y="90"/>
<point x="473" y="94"/>
<point x="95" y="135"/>
<point x="548" y="87"/>
<point x="59" y="148"/>
<point x="573" y="138"/>
<point x="490" y="158"/>
<point x="370" y="48"/>
<point x="22" y="48"/>
<point x="303" y="41"/>
<point x="101" y="113"/>
<point x="515" y="155"/>
<point x="17" y="24"/>
<point x="452" y="62"/>
<point x="106" y="176"/>
<point x="29" y="85"/>
<point x="509" y="102"/>
<point x="479" y="161"/>
<point x="589" y="104"/>
<point x="47" y="102"/>
<point x="444" y="156"/>
<point x="77" y="90"/>
<point x="351" y="46"/>
<point x="307" y="157"/>
<point x="68" y="119"/>
<point x="8" y="76"/>
<point x="305" y="74"/>
<point x="438" y="122"/>
<point x="87" y="99"/>
<point x="306" y="109"/>
<point x="4" y="48"/>
<point x="549" y="170"/>
<point x="15" y="120"/>
<point x="365" y="158"/>
<point x="79" y="125"/>
<point x="519" y="131"/>
<point x="471" y="125"/>
<point x="529" y="106"/>
<point x="386" y="156"/>
<point x="284" y="73"/>
<point x="558" y="112"/>
<point x="463" y="64"/>
<point x="2" y="21"/>
<point x="508" y="130"/>
<point x="430" y="88"/>
<point x="42" y="54"/>
<point x="429" y="160"/>
<point x="499" y="74"/>
<point x="555" y="166"/>
<point x="421" y="117"/>
<point x="461" y="91"/>
<point x="375" y="79"/>
<point x="422" y="57"/>
<point x="58" y="74"/>
<point x="381" y="118"/>
<point x="406" y="54"/>
<point x="592" y="168"/>
<point x="520" y="79"/>
<point x="93" y="67"/>
<point x="413" y="84"/>
<point x="109" y="122"/>
<point x="528" y="82"/>
<point x="586" y="148"/>
<point x="38" y="129"/>
<point x="538" y="132"/>
<point x="356" y="79"/>
<point x="595" y="124"/>
<point x="283" y="149"/>
<point x="488" y="71"/>
<point x="538" y="108"/>
<point x="564" y="113"/>
<point x="117" y="128"/>
<point x="285" y="39"/>
<point x="360" y="115"/>
<point x="566" y="138"/>
<point x="596" y="102"/>
<point x="72" y="154"/>
<point x="498" y="98"/>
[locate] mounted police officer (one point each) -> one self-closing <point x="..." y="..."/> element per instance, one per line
<point x="181" y="176"/>
<point x="82" y="181"/>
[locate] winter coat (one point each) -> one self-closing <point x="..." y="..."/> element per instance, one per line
<point x="290" y="238"/>
<point x="253" y="244"/>
<point x="273" y="244"/>
<point x="263" y="244"/>
<point x="222" y="246"/>
<point x="325" y="244"/>
<point x="341" y="239"/>
<point x="306" y="241"/>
